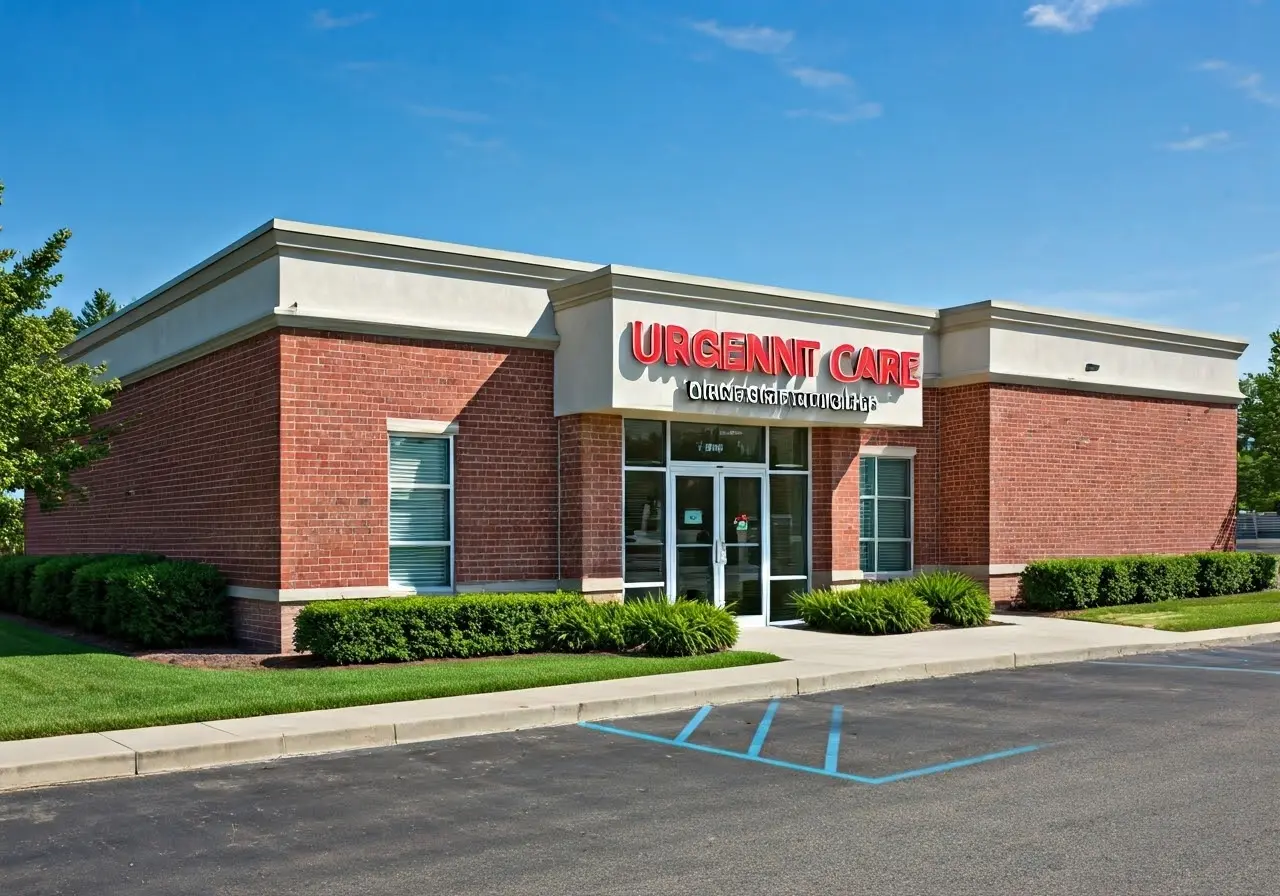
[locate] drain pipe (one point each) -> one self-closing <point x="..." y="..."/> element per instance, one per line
<point x="559" y="509"/>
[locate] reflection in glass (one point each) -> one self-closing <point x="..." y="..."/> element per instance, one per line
<point x="788" y="525"/>
<point x="742" y="591"/>
<point x="788" y="448"/>
<point x="741" y="510"/>
<point x="711" y="441"/>
<point x="695" y="549"/>
<point x="644" y="443"/>
<point x="782" y="598"/>
<point x="643" y="517"/>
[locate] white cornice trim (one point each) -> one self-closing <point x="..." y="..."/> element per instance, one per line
<point x="640" y="284"/>
<point x="371" y="325"/>
<point x="1014" y="379"/>
<point x="1049" y="320"/>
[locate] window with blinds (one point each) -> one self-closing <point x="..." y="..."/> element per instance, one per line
<point x="421" y="512"/>
<point x="884" y="518"/>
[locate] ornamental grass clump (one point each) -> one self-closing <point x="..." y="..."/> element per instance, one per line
<point x="953" y="598"/>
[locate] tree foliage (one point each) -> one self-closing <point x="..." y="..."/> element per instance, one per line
<point x="97" y="309"/>
<point x="46" y="404"/>
<point x="11" y="531"/>
<point x="1258" y="438"/>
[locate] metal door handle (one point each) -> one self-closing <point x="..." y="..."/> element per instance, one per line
<point x="722" y="554"/>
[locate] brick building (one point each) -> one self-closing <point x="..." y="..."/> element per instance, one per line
<point x="327" y="413"/>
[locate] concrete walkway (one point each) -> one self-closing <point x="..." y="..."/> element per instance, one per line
<point x="812" y="662"/>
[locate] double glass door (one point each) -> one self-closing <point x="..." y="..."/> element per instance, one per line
<point x="719" y="545"/>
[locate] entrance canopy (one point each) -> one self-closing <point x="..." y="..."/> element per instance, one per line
<point x="637" y="341"/>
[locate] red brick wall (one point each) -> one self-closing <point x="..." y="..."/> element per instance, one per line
<point x="964" y="474"/>
<point x="264" y="625"/>
<point x="1078" y="474"/>
<point x="192" y="472"/>
<point x="337" y="391"/>
<point x="591" y="496"/>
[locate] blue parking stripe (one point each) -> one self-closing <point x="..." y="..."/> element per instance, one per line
<point x="762" y="730"/>
<point x="833" y="739"/>
<point x="792" y="766"/>
<point x="693" y="724"/>
<point x="1189" y="666"/>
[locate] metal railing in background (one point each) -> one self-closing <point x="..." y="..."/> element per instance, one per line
<point x="1257" y="527"/>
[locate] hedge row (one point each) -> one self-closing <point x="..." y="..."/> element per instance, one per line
<point x="419" y="628"/>
<point x="899" y="606"/>
<point x="1075" y="584"/>
<point x="143" y="599"/>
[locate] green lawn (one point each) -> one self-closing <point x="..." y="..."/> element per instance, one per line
<point x="1193" y="615"/>
<point x="49" y="685"/>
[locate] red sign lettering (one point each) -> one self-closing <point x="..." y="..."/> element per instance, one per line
<point x="771" y="355"/>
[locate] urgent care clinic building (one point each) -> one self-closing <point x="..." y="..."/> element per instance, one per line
<point x="335" y="414"/>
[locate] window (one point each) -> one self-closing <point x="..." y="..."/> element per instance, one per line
<point x="421" y="513"/>
<point x="788" y="519"/>
<point x="884" y="518"/>
<point x="714" y="442"/>
<point x="644" y="502"/>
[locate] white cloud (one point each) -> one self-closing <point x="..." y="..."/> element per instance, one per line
<point x="751" y="38"/>
<point x="462" y="116"/>
<point x="1250" y="83"/>
<point x="1197" y="142"/>
<point x="327" y="21"/>
<point x="1070" y="16"/>
<point x="820" y="78"/>
<point x="855" y="112"/>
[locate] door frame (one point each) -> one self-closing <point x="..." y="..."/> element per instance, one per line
<point x="717" y="473"/>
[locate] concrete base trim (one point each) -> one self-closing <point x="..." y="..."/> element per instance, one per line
<point x="302" y="595"/>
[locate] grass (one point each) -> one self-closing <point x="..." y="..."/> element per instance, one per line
<point x="1192" y="615"/>
<point x="50" y="685"/>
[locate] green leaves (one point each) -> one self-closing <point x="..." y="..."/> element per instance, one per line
<point x="1258" y="436"/>
<point x="96" y="310"/>
<point x="46" y="405"/>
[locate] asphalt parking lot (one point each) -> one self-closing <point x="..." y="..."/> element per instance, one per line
<point x="1158" y="774"/>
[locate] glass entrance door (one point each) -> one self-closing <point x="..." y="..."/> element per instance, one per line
<point x="720" y="540"/>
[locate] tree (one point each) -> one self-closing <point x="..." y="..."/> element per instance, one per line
<point x="97" y="309"/>
<point x="1258" y="437"/>
<point x="11" y="532"/>
<point x="46" y="404"/>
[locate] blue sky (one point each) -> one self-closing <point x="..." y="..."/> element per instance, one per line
<point x="1099" y="155"/>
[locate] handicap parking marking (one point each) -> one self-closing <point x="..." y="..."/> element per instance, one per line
<point x="830" y="767"/>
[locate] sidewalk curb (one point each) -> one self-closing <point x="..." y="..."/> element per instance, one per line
<point x="42" y="762"/>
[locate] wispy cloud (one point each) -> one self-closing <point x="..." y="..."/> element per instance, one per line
<point x="751" y="38"/>
<point x="820" y="78"/>
<point x="462" y="116"/>
<point x="1197" y="142"/>
<point x="856" y="112"/>
<point x="1250" y="83"/>
<point x="1070" y="16"/>
<point x="841" y="102"/>
<point x="327" y="21"/>
<point x="475" y="144"/>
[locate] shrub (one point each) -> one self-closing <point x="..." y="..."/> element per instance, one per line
<point x="172" y="603"/>
<point x="1224" y="572"/>
<point x="873" y="609"/>
<point x="87" y="601"/>
<point x="418" y="628"/>
<point x="953" y="598"/>
<point x="1165" y="578"/>
<point x="1061" y="584"/>
<point x="48" y="597"/>
<point x="15" y="581"/>
<point x="682" y="628"/>
<point x="1264" y="572"/>
<point x="585" y="627"/>
<point x="1117" y="582"/>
